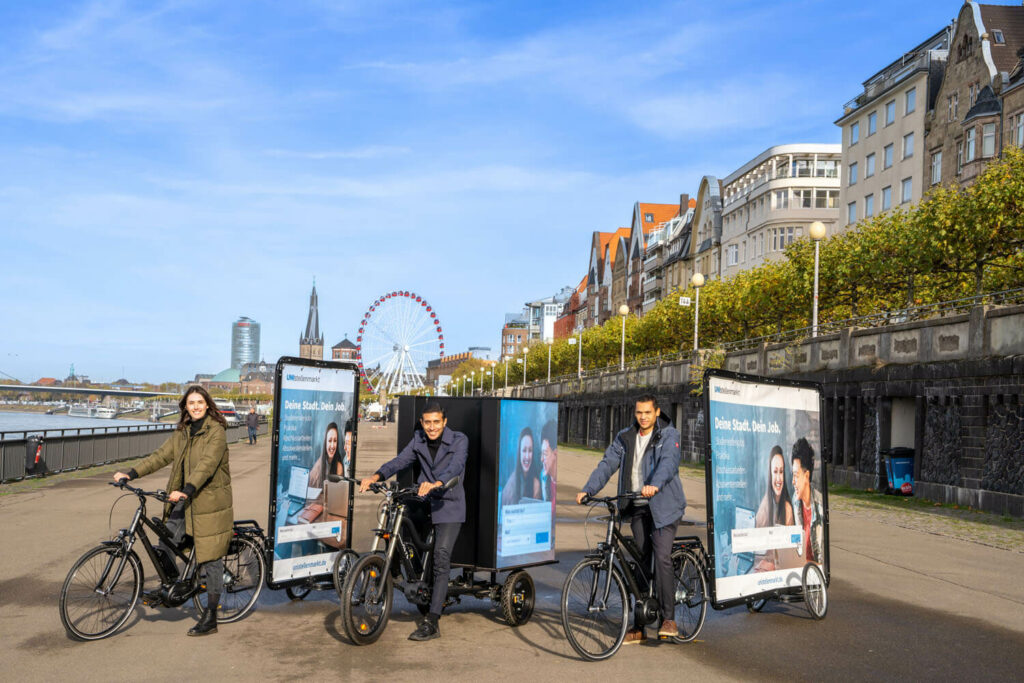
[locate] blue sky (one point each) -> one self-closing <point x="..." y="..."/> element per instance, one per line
<point x="168" y="167"/>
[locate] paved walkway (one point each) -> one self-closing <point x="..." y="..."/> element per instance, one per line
<point x="914" y="595"/>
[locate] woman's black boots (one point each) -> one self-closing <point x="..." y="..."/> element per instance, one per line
<point x="208" y="622"/>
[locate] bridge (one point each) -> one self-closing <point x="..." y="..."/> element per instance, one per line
<point x="89" y="391"/>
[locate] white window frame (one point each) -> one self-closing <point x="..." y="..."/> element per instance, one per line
<point x="886" y="197"/>
<point x="888" y="152"/>
<point x="851" y="213"/>
<point x="852" y="174"/>
<point x="905" y="195"/>
<point x="910" y="101"/>
<point x="988" y="140"/>
<point x="869" y="205"/>
<point x="970" y="148"/>
<point x="908" y="145"/>
<point x="937" y="168"/>
<point x="872" y="122"/>
<point x="890" y="112"/>
<point x="854" y="133"/>
<point x="869" y="165"/>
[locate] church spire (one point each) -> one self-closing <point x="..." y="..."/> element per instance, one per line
<point x="311" y="344"/>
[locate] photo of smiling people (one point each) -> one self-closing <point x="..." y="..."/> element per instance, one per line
<point x="527" y="464"/>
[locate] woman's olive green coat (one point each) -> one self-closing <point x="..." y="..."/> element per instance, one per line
<point x="203" y="458"/>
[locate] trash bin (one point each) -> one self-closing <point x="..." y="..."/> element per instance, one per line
<point x="34" y="454"/>
<point x="899" y="470"/>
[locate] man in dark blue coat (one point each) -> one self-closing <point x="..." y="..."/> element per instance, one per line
<point x="441" y="454"/>
<point x="648" y="453"/>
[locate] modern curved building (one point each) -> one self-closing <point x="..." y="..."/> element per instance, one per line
<point x="245" y="342"/>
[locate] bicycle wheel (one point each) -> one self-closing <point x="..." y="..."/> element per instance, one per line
<point x="298" y="592"/>
<point x="244" y="573"/>
<point x="691" y="591"/>
<point x="517" y="594"/>
<point x="344" y="561"/>
<point x="100" y="592"/>
<point x="815" y="591"/>
<point x="594" y="624"/>
<point x="756" y="605"/>
<point x="366" y="600"/>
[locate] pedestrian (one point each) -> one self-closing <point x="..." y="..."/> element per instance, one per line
<point x="199" y="503"/>
<point x="648" y="453"/>
<point x="441" y="455"/>
<point x="252" y="421"/>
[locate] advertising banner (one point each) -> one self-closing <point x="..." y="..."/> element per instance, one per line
<point x="527" y="467"/>
<point x="766" y="484"/>
<point x="314" y="436"/>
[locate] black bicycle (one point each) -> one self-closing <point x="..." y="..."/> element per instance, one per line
<point x="104" y="585"/>
<point x="407" y="562"/>
<point x="600" y="590"/>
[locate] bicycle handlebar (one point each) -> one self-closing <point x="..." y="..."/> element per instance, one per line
<point x="607" y="500"/>
<point x="160" y="494"/>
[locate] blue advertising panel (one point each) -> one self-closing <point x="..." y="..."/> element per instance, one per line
<point x="527" y="467"/>
<point x="314" y="436"/>
<point x="765" y="485"/>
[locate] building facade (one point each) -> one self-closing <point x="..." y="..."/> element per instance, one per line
<point x="883" y="128"/>
<point x="770" y="201"/>
<point x="344" y="350"/>
<point x="245" y="342"/>
<point x="977" y="109"/>
<point x="515" y="334"/>
<point x="660" y="241"/>
<point x="647" y="219"/>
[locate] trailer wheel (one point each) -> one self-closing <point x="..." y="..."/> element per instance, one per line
<point x="517" y="597"/>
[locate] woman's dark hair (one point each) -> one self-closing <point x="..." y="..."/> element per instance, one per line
<point x="339" y="451"/>
<point x="212" y="411"/>
<point x="777" y="510"/>
<point x="524" y="482"/>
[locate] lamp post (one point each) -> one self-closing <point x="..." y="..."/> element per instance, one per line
<point x="549" y="360"/>
<point x="817" y="232"/>
<point x="623" y="311"/>
<point x="471" y="382"/>
<point x="526" y="350"/>
<point x="506" y="372"/>
<point x="697" y="281"/>
<point x="579" y="353"/>
<point x="491" y="375"/>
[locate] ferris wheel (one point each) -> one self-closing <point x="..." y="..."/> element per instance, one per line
<point x="398" y="334"/>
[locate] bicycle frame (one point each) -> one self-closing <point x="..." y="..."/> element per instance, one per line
<point x="395" y="533"/>
<point x="609" y="548"/>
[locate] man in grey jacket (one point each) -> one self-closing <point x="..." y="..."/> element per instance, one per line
<point x="648" y="453"/>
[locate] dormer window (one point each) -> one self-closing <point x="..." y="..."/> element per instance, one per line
<point x="648" y="218"/>
<point x="997" y="37"/>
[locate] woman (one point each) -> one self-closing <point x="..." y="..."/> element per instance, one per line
<point x="330" y="461"/>
<point x="775" y="508"/>
<point x="200" y="484"/>
<point x="525" y="479"/>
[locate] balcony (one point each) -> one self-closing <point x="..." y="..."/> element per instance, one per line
<point x="887" y="79"/>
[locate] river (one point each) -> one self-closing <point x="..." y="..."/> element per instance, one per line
<point x="12" y="421"/>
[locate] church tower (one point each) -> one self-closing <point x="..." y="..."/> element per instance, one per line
<point x="311" y="344"/>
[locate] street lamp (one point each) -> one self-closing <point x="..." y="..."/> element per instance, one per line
<point x="549" y="360"/>
<point x="471" y="382"/>
<point x="506" y="372"/>
<point x="623" y="311"/>
<point x="579" y="353"/>
<point x="526" y="350"/>
<point x="697" y="281"/>
<point x="817" y="232"/>
<point x="491" y="375"/>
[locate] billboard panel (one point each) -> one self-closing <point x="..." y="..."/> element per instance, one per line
<point x="766" y="484"/>
<point x="527" y="467"/>
<point x="315" y="407"/>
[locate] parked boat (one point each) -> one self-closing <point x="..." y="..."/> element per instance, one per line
<point x="92" y="410"/>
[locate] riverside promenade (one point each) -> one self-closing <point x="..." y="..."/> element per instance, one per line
<point x="919" y="593"/>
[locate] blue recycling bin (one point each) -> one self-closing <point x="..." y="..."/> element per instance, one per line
<point x="899" y="470"/>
